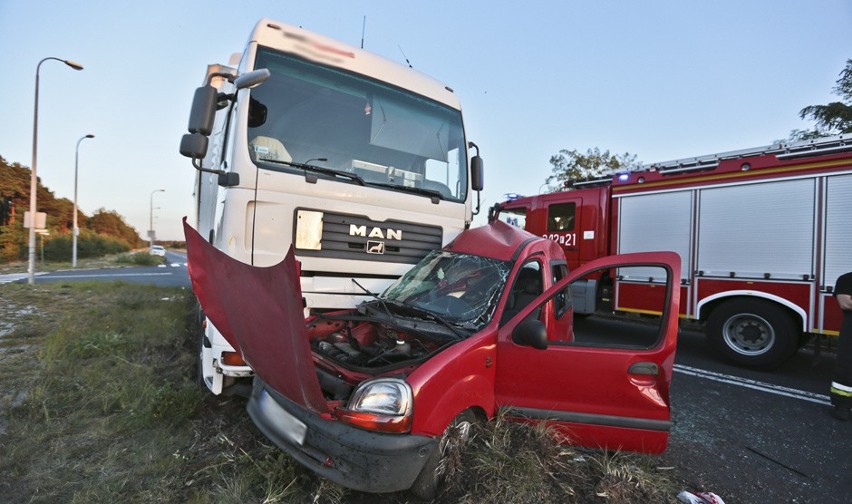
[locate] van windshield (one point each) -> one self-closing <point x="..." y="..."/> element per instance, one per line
<point x="312" y="114"/>
<point x="461" y="288"/>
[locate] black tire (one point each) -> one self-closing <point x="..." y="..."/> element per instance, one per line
<point x="200" y="340"/>
<point x="753" y="333"/>
<point x="429" y="480"/>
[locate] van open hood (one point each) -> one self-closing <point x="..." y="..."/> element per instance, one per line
<point x="259" y="311"/>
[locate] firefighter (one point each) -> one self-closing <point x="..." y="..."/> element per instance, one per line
<point x="841" y="385"/>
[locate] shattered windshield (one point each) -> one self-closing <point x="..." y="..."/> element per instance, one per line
<point x="461" y="288"/>
<point x="307" y="113"/>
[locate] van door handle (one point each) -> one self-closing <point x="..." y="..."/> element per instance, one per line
<point x="644" y="368"/>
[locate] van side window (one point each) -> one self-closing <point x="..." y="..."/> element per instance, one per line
<point x="562" y="301"/>
<point x="527" y="286"/>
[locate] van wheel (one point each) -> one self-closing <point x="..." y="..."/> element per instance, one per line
<point x="752" y="333"/>
<point x="426" y="485"/>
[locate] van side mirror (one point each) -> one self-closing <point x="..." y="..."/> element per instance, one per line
<point x="531" y="332"/>
<point x="476" y="173"/>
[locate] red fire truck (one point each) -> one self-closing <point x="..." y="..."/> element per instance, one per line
<point x="763" y="234"/>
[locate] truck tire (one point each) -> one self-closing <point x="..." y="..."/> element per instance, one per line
<point x="753" y="333"/>
<point x="426" y="485"/>
<point x="200" y="339"/>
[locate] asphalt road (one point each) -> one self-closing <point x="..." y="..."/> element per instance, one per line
<point x="749" y="436"/>
<point x="757" y="436"/>
<point x="172" y="273"/>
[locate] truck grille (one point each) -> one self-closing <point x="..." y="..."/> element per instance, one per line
<point x="356" y="237"/>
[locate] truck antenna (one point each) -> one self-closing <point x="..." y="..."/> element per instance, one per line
<point x="404" y="56"/>
<point x="363" y="29"/>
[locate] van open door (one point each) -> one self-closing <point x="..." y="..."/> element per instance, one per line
<point x="605" y="385"/>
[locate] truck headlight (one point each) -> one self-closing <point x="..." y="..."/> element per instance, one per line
<point x="383" y="405"/>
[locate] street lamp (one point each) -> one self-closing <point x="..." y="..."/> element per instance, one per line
<point x="33" y="179"/>
<point x="151" y="217"/>
<point x="76" y="231"/>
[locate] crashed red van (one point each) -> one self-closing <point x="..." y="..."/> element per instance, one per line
<point x="364" y="397"/>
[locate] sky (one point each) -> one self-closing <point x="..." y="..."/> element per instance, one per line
<point x="661" y="79"/>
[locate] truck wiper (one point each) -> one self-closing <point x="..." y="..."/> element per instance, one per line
<point x="318" y="169"/>
<point x="416" y="190"/>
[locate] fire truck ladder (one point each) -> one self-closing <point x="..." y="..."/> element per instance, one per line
<point x="816" y="147"/>
<point x="819" y="146"/>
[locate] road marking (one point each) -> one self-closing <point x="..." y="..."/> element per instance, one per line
<point x="755" y="385"/>
<point x="109" y="275"/>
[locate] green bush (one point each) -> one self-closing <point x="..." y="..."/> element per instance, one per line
<point x="140" y="259"/>
<point x="89" y="245"/>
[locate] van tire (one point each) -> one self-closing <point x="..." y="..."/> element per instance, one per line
<point x="753" y="333"/>
<point x="429" y="480"/>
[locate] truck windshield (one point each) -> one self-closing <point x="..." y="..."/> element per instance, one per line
<point x="308" y="113"/>
<point x="461" y="288"/>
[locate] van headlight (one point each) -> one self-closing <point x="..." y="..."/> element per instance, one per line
<point x="383" y="405"/>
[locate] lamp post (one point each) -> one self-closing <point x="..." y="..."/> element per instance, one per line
<point x="33" y="179"/>
<point x="151" y="217"/>
<point x="75" y="230"/>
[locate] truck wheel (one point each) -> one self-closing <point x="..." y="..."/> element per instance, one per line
<point x="752" y="333"/>
<point x="426" y="485"/>
<point x="199" y="344"/>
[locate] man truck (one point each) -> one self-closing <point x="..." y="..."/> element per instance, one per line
<point x="360" y="163"/>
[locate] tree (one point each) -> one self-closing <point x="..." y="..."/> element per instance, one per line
<point x="571" y="165"/>
<point x="834" y="118"/>
<point x="110" y="223"/>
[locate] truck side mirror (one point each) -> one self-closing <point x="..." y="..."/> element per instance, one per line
<point x="252" y="79"/>
<point x="229" y="179"/>
<point x="203" y="110"/>
<point x="194" y="145"/>
<point x="476" y="173"/>
<point x="531" y="332"/>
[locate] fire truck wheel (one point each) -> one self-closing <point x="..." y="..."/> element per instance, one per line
<point x="752" y="333"/>
<point x="434" y="472"/>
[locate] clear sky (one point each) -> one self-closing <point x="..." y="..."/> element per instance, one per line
<point x="662" y="79"/>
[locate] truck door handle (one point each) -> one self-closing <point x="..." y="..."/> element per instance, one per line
<point x="644" y="368"/>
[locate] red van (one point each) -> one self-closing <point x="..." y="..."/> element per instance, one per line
<point x="364" y="397"/>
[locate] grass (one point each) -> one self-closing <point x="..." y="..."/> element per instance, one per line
<point x="139" y="258"/>
<point x="100" y="404"/>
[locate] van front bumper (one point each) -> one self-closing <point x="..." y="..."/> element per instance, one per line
<point x="349" y="456"/>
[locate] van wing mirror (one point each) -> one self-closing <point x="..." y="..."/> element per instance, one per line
<point x="531" y="332"/>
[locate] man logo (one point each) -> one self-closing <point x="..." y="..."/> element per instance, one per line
<point x="375" y="247"/>
<point x="388" y="234"/>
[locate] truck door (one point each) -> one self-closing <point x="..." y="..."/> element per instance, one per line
<point x="607" y="384"/>
<point x="563" y="224"/>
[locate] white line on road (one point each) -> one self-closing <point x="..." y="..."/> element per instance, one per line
<point x="753" y="384"/>
<point x="110" y="275"/>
